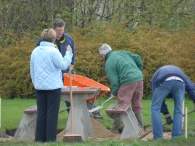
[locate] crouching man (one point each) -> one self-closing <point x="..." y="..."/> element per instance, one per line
<point x="169" y="81"/>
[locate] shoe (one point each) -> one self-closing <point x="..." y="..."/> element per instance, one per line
<point x="140" y="120"/>
<point x="169" y="121"/>
<point x="120" y="130"/>
<point x="114" y="129"/>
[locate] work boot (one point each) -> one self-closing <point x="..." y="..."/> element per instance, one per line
<point x="115" y="128"/>
<point x="168" y="119"/>
<point x="140" y="120"/>
<point x="116" y="125"/>
<point x="120" y="130"/>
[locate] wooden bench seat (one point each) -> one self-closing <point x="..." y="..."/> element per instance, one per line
<point x="117" y="108"/>
<point x="31" y="110"/>
<point x="131" y="127"/>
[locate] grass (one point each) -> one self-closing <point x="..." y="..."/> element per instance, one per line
<point x="12" y="112"/>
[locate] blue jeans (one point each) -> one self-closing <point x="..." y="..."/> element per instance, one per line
<point x="177" y="88"/>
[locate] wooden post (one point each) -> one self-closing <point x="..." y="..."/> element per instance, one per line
<point x="186" y="123"/>
<point x="183" y="112"/>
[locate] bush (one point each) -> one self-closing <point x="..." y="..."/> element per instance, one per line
<point x="15" y="72"/>
<point x="157" y="47"/>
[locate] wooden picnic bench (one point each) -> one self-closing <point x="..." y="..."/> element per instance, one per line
<point x="131" y="127"/>
<point x="82" y="125"/>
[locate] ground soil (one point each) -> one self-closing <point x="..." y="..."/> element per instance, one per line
<point x="100" y="133"/>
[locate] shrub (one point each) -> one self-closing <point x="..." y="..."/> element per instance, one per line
<point x="157" y="47"/>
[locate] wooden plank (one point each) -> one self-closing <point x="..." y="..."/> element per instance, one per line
<point x="117" y="108"/>
<point x="112" y="108"/>
<point x="122" y="108"/>
<point x="31" y="110"/>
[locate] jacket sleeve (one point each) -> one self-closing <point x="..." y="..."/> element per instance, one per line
<point x="74" y="53"/>
<point x="70" y="41"/>
<point x="138" y="60"/>
<point x="190" y="88"/>
<point x="113" y="77"/>
<point x="62" y="62"/>
<point x="32" y="68"/>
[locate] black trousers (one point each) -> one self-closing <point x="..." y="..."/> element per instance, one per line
<point x="48" y="102"/>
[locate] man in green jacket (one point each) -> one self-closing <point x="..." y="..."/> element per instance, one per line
<point x="124" y="71"/>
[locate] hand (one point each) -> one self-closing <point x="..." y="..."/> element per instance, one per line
<point x="68" y="48"/>
<point x="71" y="67"/>
<point x="113" y="96"/>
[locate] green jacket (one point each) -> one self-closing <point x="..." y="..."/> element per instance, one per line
<point x="121" y="68"/>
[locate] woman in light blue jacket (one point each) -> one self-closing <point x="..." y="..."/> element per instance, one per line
<point x="46" y="64"/>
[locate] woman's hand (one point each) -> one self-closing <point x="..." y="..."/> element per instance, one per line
<point x="68" y="48"/>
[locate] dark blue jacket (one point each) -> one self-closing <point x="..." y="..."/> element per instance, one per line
<point x="169" y="70"/>
<point x="67" y="41"/>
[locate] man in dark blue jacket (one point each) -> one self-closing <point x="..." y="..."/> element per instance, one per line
<point x="62" y="41"/>
<point x="169" y="80"/>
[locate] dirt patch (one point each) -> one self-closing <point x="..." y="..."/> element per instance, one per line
<point x="147" y="134"/>
<point x="4" y="136"/>
<point x="100" y="133"/>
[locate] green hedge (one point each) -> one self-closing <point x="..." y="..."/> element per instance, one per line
<point x="156" y="47"/>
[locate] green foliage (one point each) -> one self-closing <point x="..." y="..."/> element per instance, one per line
<point x="14" y="70"/>
<point x="123" y="24"/>
<point x="157" y="47"/>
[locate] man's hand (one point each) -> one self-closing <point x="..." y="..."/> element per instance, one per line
<point x="71" y="67"/>
<point x="113" y="96"/>
<point x="68" y="48"/>
<point x="73" y="71"/>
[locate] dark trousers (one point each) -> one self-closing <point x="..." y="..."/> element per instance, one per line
<point x="48" y="102"/>
<point x="67" y="105"/>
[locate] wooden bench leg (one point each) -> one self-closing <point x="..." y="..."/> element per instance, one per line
<point x="131" y="127"/>
<point x="26" y="128"/>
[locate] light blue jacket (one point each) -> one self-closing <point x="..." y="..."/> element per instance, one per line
<point x="46" y="64"/>
<point x="65" y="42"/>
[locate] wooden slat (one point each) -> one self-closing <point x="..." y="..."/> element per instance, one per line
<point x="117" y="108"/>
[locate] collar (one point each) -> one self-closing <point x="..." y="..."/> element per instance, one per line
<point x="107" y="55"/>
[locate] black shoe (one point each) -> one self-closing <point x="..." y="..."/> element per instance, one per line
<point x="120" y="130"/>
<point x="169" y="121"/>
